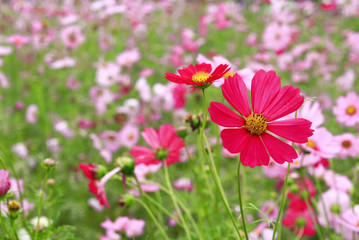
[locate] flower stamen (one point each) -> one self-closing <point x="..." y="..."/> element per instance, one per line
<point x="200" y="77"/>
<point x="351" y="110"/>
<point x="256" y="124"/>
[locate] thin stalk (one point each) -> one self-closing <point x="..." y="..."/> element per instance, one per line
<point x="160" y="228"/>
<point x="240" y="199"/>
<point x="3" y="222"/>
<point x="173" y="197"/>
<point x="282" y="203"/>
<point x="40" y="204"/>
<point x="14" y="228"/>
<point x="154" y="219"/>
<point x="212" y="167"/>
<point x="3" y="163"/>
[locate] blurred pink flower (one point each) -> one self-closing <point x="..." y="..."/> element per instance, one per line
<point x="277" y="37"/>
<point x="4" y="182"/>
<point x="129" y="135"/>
<point x="128" y="57"/>
<point x="72" y="37"/>
<point x="349" y="145"/>
<point x="183" y="184"/>
<point x="32" y="113"/>
<point x="18" y="40"/>
<point x="347" y="109"/>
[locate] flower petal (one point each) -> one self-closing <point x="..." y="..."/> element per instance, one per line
<point x="234" y="140"/>
<point x="166" y="133"/>
<point x="287" y="101"/>
<point x="224" y="116"/>
<point x="265" y="86"/>
<point x="151" y="137"/>
<point x="295" y="130"/>
<point x="254" y="153"/>
<point x="280" y="151"/>
<point x="235" y="92"/>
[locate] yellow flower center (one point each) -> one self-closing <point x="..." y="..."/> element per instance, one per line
<point x="311" y="144"/>
<point x="256" y="124"/>
<point x="228" y="74"/>
<point x="200" y="77"/>
<point x="351" y="110"/>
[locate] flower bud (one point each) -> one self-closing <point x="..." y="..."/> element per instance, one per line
<point x="182" y="132"/>
<point x="4" y="182"/>
<point x="126" y="164"/>
<point x="14" y="208"/>
<point x="300" y="222"/>
<point x="51" y="182"/>
<point x="49" y="164"/>
<point x="127" y="200"/>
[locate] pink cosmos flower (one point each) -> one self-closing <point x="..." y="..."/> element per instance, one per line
<point x="4" y="82"/>
<point x="321" y="144"/>
<point x="337" y="181"/>
<point x="333" y="202"/>
<point x="20" y="150"/>
<point x="135" y="228"/>
<point x="4" y="182"/>
<point x="183" y="184"/>
<point x="165" y="146"/>
<point x="251" y="133"/>
<point x="347" y="109"/>
<point x="349" y="223"/>
<point x="129" y="135"/>
<point x="348" y="144"/>
<point x="346" y="81"/>
<point x="32" y="113"/>
<point x="277" y="37"/>
<point x="18" y="40"/>
<point x="128" y="58"/>
<point x="72" y="37"/>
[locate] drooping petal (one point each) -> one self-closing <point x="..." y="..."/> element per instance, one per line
<point x="234" y="140"/>
<point x="295" y="130"/>
<point x="224" y="116"/>
<point x="151" y="137"/>
<point x="265" y="86"/>
<point x="176" y="79"/>
<point x="280" y="151"/>
<point x="287" y="101"/>
<point x="235" y="92"/>
<point x="254" y="153"/>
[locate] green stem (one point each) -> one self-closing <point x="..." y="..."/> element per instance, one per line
<point x="154" y="219"/>
<point x="14" y="229"/>
<point x="160" y="228"/>
<point x="212" y="167"/>
<point x="2" y="163"/>
<point x="240" y="199"/>
<point x="282" y="203"/>
<point x="173" y="197"/>
<point x="40" y="204"/>
<point x="3" y="222"/>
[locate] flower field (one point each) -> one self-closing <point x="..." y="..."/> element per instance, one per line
<point x="163" y="119"/>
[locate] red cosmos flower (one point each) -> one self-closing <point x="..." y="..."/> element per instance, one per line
<point x="300" y="221"/>
<point x="90" y="171"/>
<point x="165" y="144"/>
<point x="251" y="132"/>
<point x="199" y="74"/>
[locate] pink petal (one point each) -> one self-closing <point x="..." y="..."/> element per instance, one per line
<point x="224" y="116"/>
<point x="234" y="140"/>
<point x="287" y="101"/>
<point x="138" y="151"/>
<point x="254" y="153"/>
<point x="280" y="151"/>
<point x="166" y="133"/>
<point x="295" y="130"/>
<point x="151" y="137"/>
<point x="265" y="86"/>
<point x="235" y="92"/>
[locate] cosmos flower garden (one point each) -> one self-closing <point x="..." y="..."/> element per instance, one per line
<point x="163" y="119"/>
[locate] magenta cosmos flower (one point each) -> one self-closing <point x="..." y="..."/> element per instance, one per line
<point x="254" y="131"/>
<point x="165" y="146"/>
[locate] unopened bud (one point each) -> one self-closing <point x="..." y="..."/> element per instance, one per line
<point x="51" y="182"/>
<point x="127" y="200"/>
<point x="126" y="164"/>
<point x="14" y="208"/>
<point x="49" y="164"/>
<point x="182" y="132"/>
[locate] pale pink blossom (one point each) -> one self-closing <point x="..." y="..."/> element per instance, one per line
<point x="183" y="184"/>
<point x="348" y="144"/>
<point x="346" y="81"/>
<point x="347" y="109"/>
<point x="32" y="114"/>
<point x="72" y="36"/>
<point x="4" y="182"/>
<point x="20" y="150"/>
<point x="129" y="135"/>
<point x="128" y="58"/>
